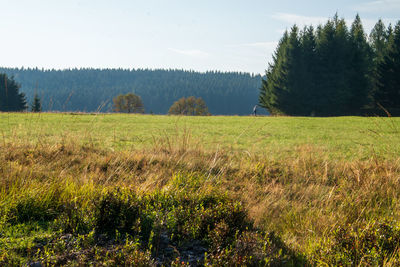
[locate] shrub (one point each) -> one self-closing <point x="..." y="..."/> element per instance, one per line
<point x="37" y="209"/>
<point x="129" y="103"/>
<point x="117" y="211"/>
<point x="189" y="106"/>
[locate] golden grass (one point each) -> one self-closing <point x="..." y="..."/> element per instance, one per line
<point x="302" y="198"/>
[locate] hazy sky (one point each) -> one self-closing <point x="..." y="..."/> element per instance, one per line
<point x="227" y="35"/>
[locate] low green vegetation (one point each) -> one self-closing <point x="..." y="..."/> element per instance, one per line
<point x="81" y="189"/>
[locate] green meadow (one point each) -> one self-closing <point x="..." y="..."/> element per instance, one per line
<point x="337" y="137"/>
<point x="148" y="190"/>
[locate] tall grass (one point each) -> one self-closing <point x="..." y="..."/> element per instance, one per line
<point x="305" y="208"/>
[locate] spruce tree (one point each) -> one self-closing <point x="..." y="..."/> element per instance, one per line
<point x="388" y="94"/>
<point x="274" y="82"/>
<point x="332" y="92"/>
<point x="378" y="40"/>
<point x="36" y="104"/>
<point x="10" y="97"/>
<point x="280" y="92"/>
<point x="334" y="70"/>
<point x="291" y="95"/>
<point x="359" y="68"/>
<point x="308" y="71"/>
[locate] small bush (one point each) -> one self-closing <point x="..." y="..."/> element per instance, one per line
<point x="74" y="219"/>
<point x="117" y="211"/>
<point x="37" y="209"/>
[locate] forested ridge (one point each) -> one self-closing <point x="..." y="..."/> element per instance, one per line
<point x="92" y="90"/>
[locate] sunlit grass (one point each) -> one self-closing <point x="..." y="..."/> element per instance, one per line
<point x="329" y="188"/>
<point x="339" y="137"/>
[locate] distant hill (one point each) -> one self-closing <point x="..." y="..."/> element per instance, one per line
<point x="91" y="90"/>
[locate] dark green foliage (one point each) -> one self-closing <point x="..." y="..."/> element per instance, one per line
<point x="10" y="97"/>
<point x="379" y="44"/>
<point x="36" y="104"/>
<point x="331" y="71"/>
<point x="117" y="212"/>
<point x="93" y="89"/>
<point x="360" y="69"/>
<point x="388" y="93"/>
<point x="73" y="219"/>
<point x="123" y="227"/>
<point x="274" y="82"/>
<point x="290" y="91"/>
<point x="307" y="82"/>
<point x="34" y="209"/>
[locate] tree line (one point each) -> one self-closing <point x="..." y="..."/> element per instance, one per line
<point x="334" y="70"/>
<point x="89" y="90"/>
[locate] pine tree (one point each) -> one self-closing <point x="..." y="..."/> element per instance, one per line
<point x="10" y="97"/>
<point x="274" y="82"/>
<point x="332" y="92"/>
<point x="333" y="70"/>
<point x="388" y="94"/>
<point x="289" y="93"/>
<point x="360" y="68"/>
<point x="379" y="45"/>
<point x="36" y="105"/>
<point x="308" y="71"/>
<point x="378" y="39"/>
<point x="294" y="97"/>
<point x="281" y="92"/>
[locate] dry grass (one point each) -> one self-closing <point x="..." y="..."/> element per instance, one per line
<point x="299" y="197"/>
<point x="303" y="198"/>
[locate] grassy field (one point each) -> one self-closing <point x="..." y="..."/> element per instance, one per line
<point x="339" y="137"/>
<point x="139" y="189"/>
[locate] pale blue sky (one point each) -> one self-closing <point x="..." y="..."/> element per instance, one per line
<point x="226" y="35"/>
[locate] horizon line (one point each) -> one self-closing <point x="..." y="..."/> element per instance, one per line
<point x="129" y="69"/>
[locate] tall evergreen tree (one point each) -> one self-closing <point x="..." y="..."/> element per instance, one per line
<point x="333" y="89"/>
<point x="388" y="94"/>
<point x="281" y="93"/>
<point x="36" y="105"/>
<point x="291" y="95"/>
<point x="275" y="81"/>
<point x="323" y="72"/>
<point x="390" y="36"/>
<point x="308" y="70"/>
<point x="10" y="97"/>
<point x="360" y="67"/>
<point x="378" y="40"/>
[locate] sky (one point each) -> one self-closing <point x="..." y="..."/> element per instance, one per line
<point x="202" y="35"/>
